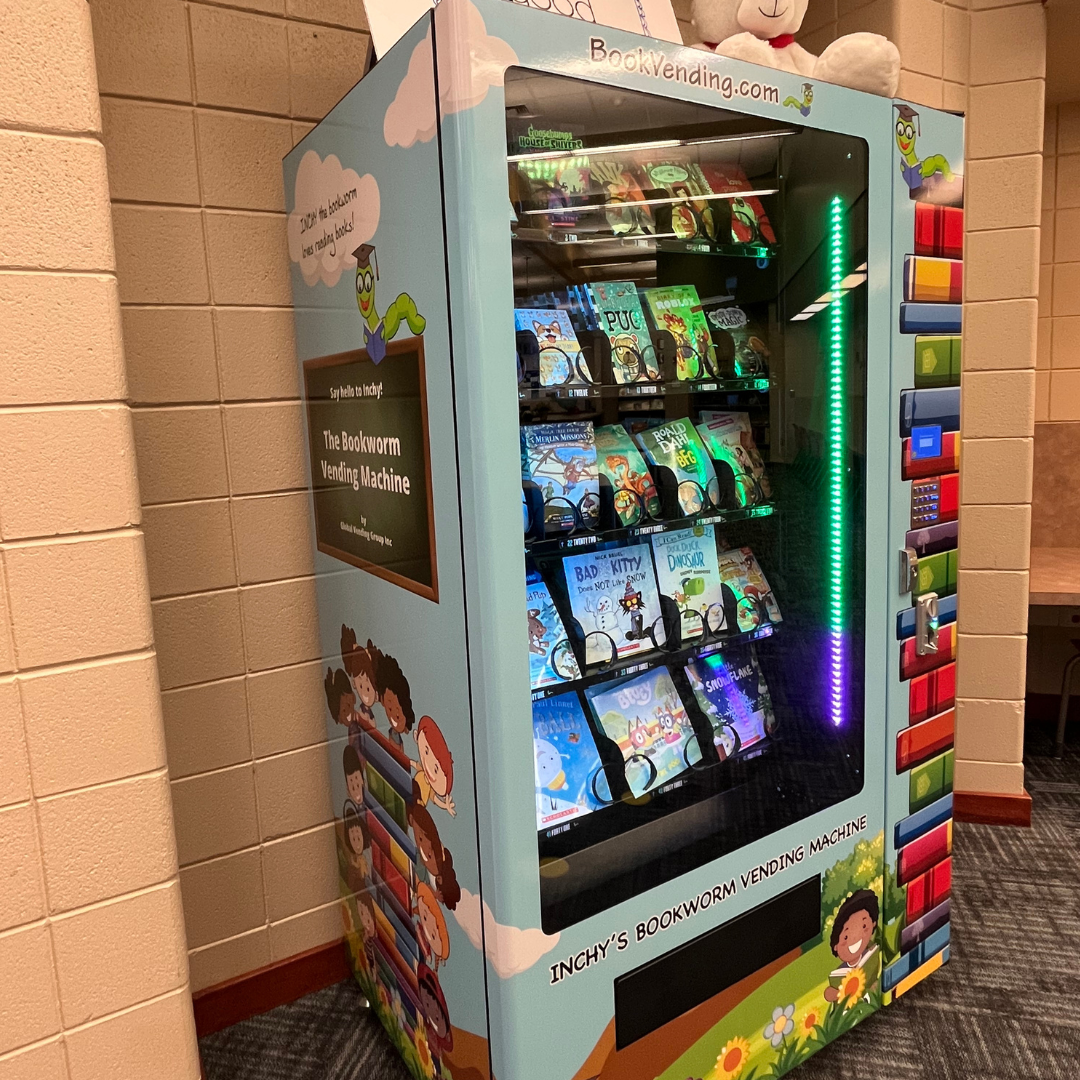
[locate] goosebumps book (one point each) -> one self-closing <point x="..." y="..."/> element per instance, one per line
<point x="687" y="571"/>
<point x="729" y="437"/>
<point x="739" y="570"/>
<point x="621" y="462"/>
<point x="620" y="316"/>
<point x="678" y="447"/>
<point x="570" y="780"/>
<point x="645" y="717"/>
<point x="561" y="460"/>
<point x="551" y="659"/>
<point x="731" y="691"/>
<point x="561" y="362"/>
<point x="677" y="309"/>
<point x="613" y="592"/>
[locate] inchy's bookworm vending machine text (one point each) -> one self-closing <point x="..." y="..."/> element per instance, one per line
<point x="628" y="373"/>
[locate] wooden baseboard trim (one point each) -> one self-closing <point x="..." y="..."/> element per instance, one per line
<point x="992" y="808"/>
<point x="278" y="983"/>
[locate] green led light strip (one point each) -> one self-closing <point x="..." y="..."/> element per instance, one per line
<point x="837" y="448"/>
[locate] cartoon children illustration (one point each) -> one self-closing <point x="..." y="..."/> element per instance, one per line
<point x="434" y="937"/>
<point x="792" y="102"/>
<point x="852" y="941"/>
<point x="354" y="774"/>
<point x="380" y="330"/>
<point x="342" y="701"/>
<point x="433" y="1006"/>
<point x="365" y="908"/>
<point x="360" y="666"/>
<point x="394" y="696"/>
<point x="915" y="171"/>
<point x="356" y="843"/>
<point x="435" y="769"/>
<point x="436" y="860"/>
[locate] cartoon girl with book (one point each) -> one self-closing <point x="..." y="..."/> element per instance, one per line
<point x="394" y="696"/>
<point x="356" y="844"/>
<point x="341" y="701"/>
<point x="435" y="768"/>
<point x="359" y="665"/>
<point x="435" y="859"/>
<point x="434" y="937"/>
<point x="852" y="942"/>
<point x="365" y="909"/>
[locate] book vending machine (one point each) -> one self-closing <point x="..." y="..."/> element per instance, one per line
<point x="628" y="372"/>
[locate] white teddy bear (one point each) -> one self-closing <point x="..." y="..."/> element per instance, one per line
<point x="763" y="32"/>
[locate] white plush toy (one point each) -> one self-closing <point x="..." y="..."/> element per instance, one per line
<point x="763" y="32"/>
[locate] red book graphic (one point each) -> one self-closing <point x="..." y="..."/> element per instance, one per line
<point x="920" y="743"/>
<point x="912" y="664"/>
<point x="920" y="855"/>
<point x="928" y="890"/>
<point x="948" y="462"/>
<point x="939" y="231"/>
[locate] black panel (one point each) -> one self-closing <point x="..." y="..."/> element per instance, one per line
<point x="665" y="988"/>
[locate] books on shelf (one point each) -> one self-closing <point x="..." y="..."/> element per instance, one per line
<point x="749" y="222"/>
<point x="677" y="309"/>
<point x="739" y="570"/>
<point x="560" y="459"/>
<point x="729" y="437"/>
<point x="621" y="182"/>
<point x="620" y="461"/>
<point x="693" y="218"/>
<point x="731" y="691"/>
<point x="677" y="446"/>
<point x="551" y="659"/>
<point x="570" y="779"/>
<point x="613" y="595"/>
<point x="646" y="719"/>
<point x="687" y="571"/>
<point x="561" y="362"/>
<point x="621" y="317"/>
<point x="751" y="352"/>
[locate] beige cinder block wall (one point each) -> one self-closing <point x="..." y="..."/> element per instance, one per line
<point x="92" y="954"/>
<point x="988" y="59"/>
<point x="199" y="103"/>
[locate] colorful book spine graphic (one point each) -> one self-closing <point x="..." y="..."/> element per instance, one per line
<point x="921" y="742"/>
<point x="933" y="281"/>
<point x="928" y="318"/>
<point x="560" y="459"/>
<point x="678" y="447"/>
<point x="937" y="574"/>
<point x="645" y="718"/>
<point x="677" y="309"/>
<point x="931" y="539"/>
<point x="911" y="664"/>
<point x="687" y="571"/>
<point x="937" y="361"/>
<point x="915" y="465"/>
<point x="614" y="598"/>
<point x="932" y="693"/>
<point x="620" y="316"/>
<point x="570" y="780"/>
<point x="939" y="231"/>
<point x="935" y="499"/>
<point x="551" y="659"/>
<point x="621" y="463"/>
<point x="906" y="620"/>
<point x="934" y="409"/>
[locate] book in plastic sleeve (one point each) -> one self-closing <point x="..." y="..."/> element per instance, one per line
<point x="677" y="445"/>
<point x="693" y="217"/>
<point x="688" y="572"/>
<point x="751" y="352"/>
<point x="646" y="719"/>
<point x="613" y="593"/>
<point x="731" y="691"/>
<point x="561" y="460"/>
<point x="622" y="184"/>
<point x="551" y="659"/>
<point x="678" y="310"/>
<point x="739" y="570"/>
<point x="561" y="362"/>
<point x="620" y="316"/>
<point x="729" y="437"/>
<point x="570" y="779"/>
<point x="620" y="460"/>
<point x="749" y="222"/>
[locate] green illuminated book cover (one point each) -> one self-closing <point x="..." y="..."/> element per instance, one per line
<point x="621" y="462"/>
<point x="678" y="310"/>
<point x="729" y="437"/>
<point x="620" y="315"/>
<point x="678" y="446"/>
<point x="739" y="570"/>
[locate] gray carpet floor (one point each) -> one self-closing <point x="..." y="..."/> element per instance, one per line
<point x="1007" y="1007"/>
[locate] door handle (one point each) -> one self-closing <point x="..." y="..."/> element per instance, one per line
<point x="909" y="570"/>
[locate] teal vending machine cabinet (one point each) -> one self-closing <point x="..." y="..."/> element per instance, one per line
<point x="631" y="392"/>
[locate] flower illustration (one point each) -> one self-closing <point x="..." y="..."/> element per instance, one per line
<point x="852" y="987"/>
<point x="423" y="1051"/>
<point x="810" y="1020"/>
<point x="731" y="1060"/>
<point x="384" y="999"/>
<point x="781" y="1025"/>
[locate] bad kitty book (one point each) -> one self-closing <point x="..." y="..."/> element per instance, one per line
<point x="570" y="779"/>
<point x="731" y="691"/>
<point x="561" y="362"/>
<point x="677" y="309"/>
<point x="678" y="446"/>
<point x="551" y="659"/>
<point x="613" y="593"/>
<point x="646" y="719"/>
<point x="729" y="437"/>
<point x="561" y="460"/>
<point x="739" y="570"/>
<point x="620" y="316"/>
<point x="688" y="572"/>
<point x="621" y="462"/>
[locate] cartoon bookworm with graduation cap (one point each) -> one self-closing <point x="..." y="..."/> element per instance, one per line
<point x="378" y="331"/>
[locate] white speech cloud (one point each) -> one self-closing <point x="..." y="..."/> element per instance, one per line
<point x="335" y="210"/>
<point x="411" y="116"/>
<point x="509" y="949"/>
